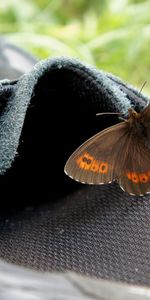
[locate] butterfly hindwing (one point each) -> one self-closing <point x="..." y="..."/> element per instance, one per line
<point x="135" y="178"/>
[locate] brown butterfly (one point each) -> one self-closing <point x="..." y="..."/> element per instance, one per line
<point x="120" y="152"/>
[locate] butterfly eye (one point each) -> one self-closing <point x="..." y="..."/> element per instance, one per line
<point x="134" y="114"/>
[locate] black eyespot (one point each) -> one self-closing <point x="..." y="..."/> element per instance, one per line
<point x="86" y="160"/>
<point x="103" y="167"/>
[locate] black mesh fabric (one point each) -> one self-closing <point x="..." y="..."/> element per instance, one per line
<point x="48" y="221"/>
<point x="98" y="231"/>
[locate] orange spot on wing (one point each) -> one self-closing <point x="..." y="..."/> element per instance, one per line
<point x="129" y="175"/>
<point x="135" y="177"/>
<point x="103" y="167"/>
<point x="88" y="156"/>
<point x="138" y="177"/>
<point x="143" y="177"/>
<point x="148" y="173"/>
<point x="85" y="161"/>
<point x="95" y="166"/>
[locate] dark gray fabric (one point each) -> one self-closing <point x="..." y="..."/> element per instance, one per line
<point x="52" y="222"/>
<point x="98" y="231"/>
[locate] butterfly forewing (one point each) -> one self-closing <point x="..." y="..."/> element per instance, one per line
<point x="98" y="160"/>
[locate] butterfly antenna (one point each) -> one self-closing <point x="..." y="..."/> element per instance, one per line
<point x="142" y="89"/>
<point x="109" y="113"/>
<point x="142" y="86"/>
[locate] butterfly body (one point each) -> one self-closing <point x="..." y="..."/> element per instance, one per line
<point x="137" y="123"/>
<point x="120" y="152"/>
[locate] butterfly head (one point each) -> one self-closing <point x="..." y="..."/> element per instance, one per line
<point x="137" y="124"/>
<point x="134" y="118"/>
<point x="133" y="115"/>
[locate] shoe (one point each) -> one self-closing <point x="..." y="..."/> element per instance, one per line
<point x="82" y="241"/>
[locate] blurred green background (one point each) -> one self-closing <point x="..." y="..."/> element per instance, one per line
<point x="113" y="35"/>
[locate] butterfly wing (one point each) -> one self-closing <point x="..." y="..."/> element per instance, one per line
<point x="146" y="113"/>
<point x="135" y="177"/>
<point x="145" y="116"/>
<point x="98" y="160"/>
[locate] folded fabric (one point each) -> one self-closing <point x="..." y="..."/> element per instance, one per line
<point x="48" y="221"/>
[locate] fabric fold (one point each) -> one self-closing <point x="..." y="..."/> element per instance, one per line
<point x="87" y="84"/>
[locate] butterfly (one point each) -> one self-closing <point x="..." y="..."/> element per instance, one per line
<point x="118" y="153"/>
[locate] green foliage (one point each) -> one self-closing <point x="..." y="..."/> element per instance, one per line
<point x="114" y="35"/>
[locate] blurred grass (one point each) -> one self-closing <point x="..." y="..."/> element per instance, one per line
<point x="114" y="35"/>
